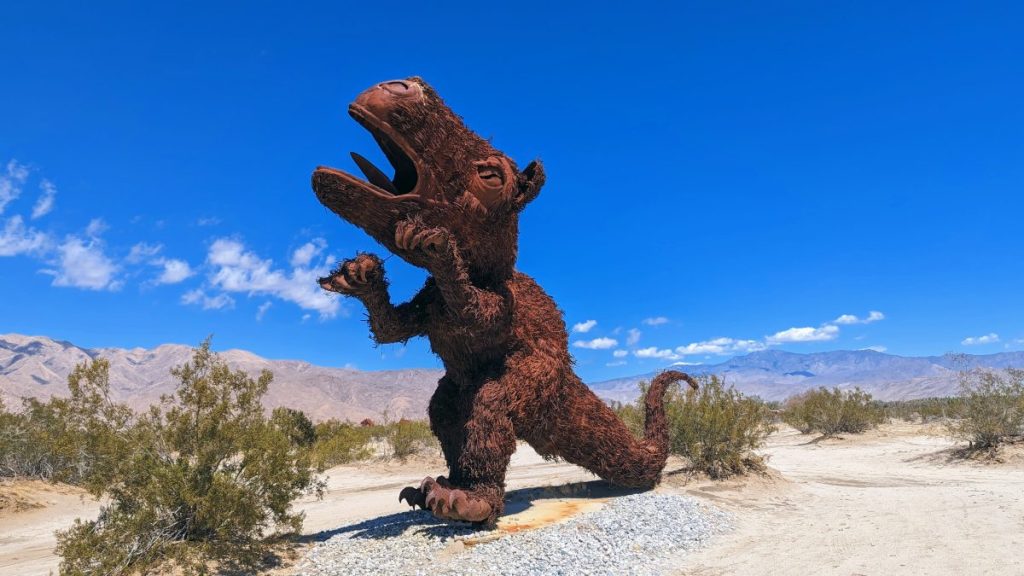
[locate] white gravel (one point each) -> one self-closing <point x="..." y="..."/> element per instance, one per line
<point x="638" y="534"/>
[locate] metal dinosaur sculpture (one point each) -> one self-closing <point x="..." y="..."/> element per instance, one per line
<point x="452" y="208"/>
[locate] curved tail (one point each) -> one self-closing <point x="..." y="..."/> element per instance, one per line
<point x="597" y="440"/>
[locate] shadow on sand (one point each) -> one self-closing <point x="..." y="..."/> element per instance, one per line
<point x="516" y="501"/>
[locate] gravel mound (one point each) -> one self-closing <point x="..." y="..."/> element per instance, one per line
<point x="638" y="534"/>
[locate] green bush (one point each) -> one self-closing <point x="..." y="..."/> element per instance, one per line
<point x="831" y="412"/>
<point x="206" y="478"/>
<point x="339" y="442"/>
<point x="408" y="437"/>
<point x="992" y="407"/>
<point x="716" y="428"/>
<point x="78" y="440"/>
<point x="923" y="410"/>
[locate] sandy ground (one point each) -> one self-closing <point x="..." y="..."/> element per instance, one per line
<point x="889" y="502"/>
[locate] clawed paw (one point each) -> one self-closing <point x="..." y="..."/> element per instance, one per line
<point x="445" y="501"/>
<point x="354" y="276"/>
<point x="413" y="236"/>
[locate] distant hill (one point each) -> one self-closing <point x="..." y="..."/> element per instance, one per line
<point x="36" y="366"/>
<point x="776" y="375"/>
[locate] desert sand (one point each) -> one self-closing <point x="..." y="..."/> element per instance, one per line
<point x="892" y="501"/>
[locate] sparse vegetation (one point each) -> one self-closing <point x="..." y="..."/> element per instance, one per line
<point x="716" y="428"/>
<point x="78" y="440"/>
<point x="923" y="410"/>
<point x="207" y="478"/>
<point x="408" y="437"/>
<point x="832" y="412"/>
<point x="339" y="442"/>
<point x="992" y="408"/>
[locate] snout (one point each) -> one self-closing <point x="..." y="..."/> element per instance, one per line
<point x="381" y="98"/>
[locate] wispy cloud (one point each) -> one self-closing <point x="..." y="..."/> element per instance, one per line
<point x="873" y="316"/>
<point x="142" y="251"/>
<point x="238" y="270"/>
<point x="201" y="298"/>
<point x="655" y="321"/>
<point x="990" y="338"/>
<point x="44" y="204"/>
<point x="208" y="221"/>
<point x="11" y="181"/>
<point x="620" y="353"/>
<point x="262" y="310"/>
<point x="632" y="337"/>
<point x="721" y="347"/>
<point x="615" y="363"/>
<point x="655" y="352"/>
<point x="804" y="334"/>
<point x="584" y="327"/>
<point x="17" y="239"/>
<point x="597" y="343"/>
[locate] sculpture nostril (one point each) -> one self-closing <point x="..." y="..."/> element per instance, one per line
<point x="396" y="87"/>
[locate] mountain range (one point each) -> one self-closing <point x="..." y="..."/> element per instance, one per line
<point x="37" y="366"/>
<point x="776" y="374"/>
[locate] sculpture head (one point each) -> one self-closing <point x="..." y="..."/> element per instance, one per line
<point x="444" y="175"/>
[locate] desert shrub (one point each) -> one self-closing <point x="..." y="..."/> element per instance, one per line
<point x="831" y="412"/>
<point x="339" y="442"/>
<point x="408" y="437"/>
<point x="992" y="407"/>
<point x="207" y="478"/>
<point x="716" y="428"/>
<point x="923" y="410"/>
<point x="78" y="440"/>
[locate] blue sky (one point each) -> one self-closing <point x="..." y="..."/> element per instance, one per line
<point x="721" y="177"/>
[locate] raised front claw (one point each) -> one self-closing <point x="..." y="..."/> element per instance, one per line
<point x="355" y="276"/>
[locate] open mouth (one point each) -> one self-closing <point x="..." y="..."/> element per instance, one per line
<point x="403" y="185"/>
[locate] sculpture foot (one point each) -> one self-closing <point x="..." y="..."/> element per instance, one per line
<point x="447" y="502"/>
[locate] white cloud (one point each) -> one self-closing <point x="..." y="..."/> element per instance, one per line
<point x="876" y="348"/>
<point x="620" y="353"/>
<point x="304" y="254"/>
<point x="584" y="327"/>
<point x="873" y="316"/>
<point x="174" y="271"/>
<point x="46" y="200"/>
<point x="655" y="321"/>
<point x="262" y="310"/>
<point x="616" y="363"/>
<point x="13" y="177"/>
<point x="16" y="238"/>
<point x="654" y="352"/>
<point x="681" y="363"/>
<point x="632" y="337"/>
<point x="990" y="338"/>
<point x="198" y="296"/>
<point x="83" y="264"/>
<point x="805" y="334"/>
<point x="208" y="221"/>
<point x="238" y="270"/>
<point x="597" y="343"/>
<point x="142" y="251"/>
<point x="720" y="347"/>
<point x="96" y="227"/>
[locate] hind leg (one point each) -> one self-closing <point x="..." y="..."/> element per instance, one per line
<point x="478" y="440"/>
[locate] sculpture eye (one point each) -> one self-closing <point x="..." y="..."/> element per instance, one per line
<point x="491" y="175"/>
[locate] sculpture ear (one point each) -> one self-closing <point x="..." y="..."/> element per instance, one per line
<point x="530" y="181"/>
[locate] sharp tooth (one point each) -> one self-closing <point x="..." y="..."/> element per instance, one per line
<point x="373" y="174"/>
